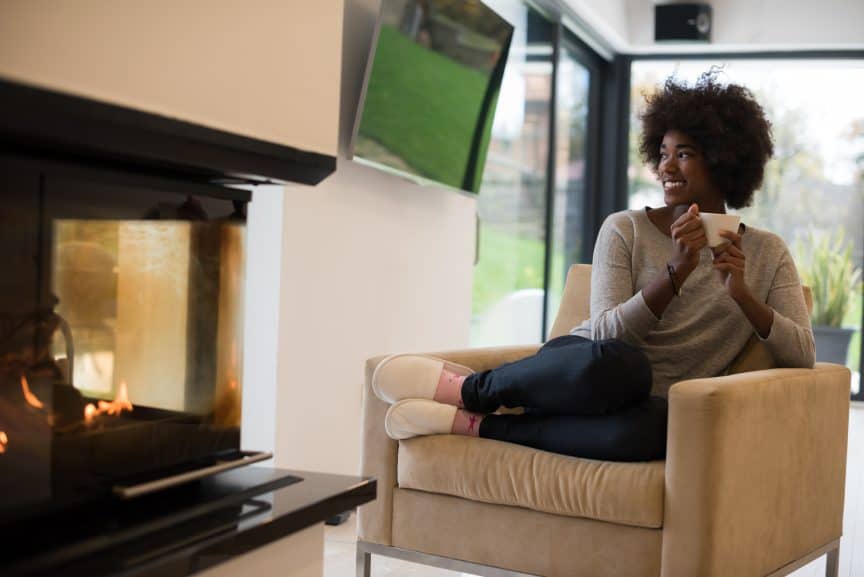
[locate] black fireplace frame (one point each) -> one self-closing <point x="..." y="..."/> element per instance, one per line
<point x="58" y="125"/>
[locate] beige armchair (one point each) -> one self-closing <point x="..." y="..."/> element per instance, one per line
<point x="752" y="485"/>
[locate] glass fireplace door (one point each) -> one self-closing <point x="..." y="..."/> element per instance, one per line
<point x="124" y="360"/>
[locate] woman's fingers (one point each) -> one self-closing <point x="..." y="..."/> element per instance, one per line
<point x="694" y="238"/>
<point x="686" y="223"/>
<point x="734" y="251"/>
<point x="729" y="249"/>
<point x="734" y="237"/>
<point x="726" y="267"/>
<point x="735" y="261"/>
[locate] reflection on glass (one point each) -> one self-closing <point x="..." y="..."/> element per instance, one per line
<point x="570" y="167"/>
<point x="814" y="186"/>
<point x="431" y="92"/>
<point x="508" y="280"/>
<point x="154" y="305"/>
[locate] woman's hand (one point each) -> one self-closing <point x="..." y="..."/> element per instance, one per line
<point x="729" y="262"/>
<point x="688" y="238"/>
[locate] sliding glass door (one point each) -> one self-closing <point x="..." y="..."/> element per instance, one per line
<point x="575" y="174"/>
<point x="537" y="181"/>
<point x="508" y="279"/>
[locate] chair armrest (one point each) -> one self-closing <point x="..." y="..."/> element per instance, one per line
<point x="755" y="470"/>
<point x="378" y="451"/>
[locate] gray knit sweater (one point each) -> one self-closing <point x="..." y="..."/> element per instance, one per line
<point x="701" y="332"/>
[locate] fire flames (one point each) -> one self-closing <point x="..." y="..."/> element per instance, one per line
<point x="118" y="405"/>
<point x="4" y="440"/>
<point x="31" y="399"/>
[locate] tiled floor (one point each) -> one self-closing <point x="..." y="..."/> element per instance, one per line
<point x="339" y="548"/>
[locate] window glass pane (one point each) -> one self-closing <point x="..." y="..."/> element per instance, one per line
<point x="508" y="279"/>
<point x="814" y="186"/>
<point x="571" y="117"/>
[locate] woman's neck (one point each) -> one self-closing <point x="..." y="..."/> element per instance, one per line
<point x="679" y="209"/>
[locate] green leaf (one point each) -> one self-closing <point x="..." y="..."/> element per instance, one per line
<point x="826" y="266"/>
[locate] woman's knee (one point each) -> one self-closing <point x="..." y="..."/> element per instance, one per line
<point x="626" y="366"/>
<point x="608" y="376"/>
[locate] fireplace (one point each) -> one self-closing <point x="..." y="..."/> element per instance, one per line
<point x="121" y="299"/>
<point x="120" y="332"/>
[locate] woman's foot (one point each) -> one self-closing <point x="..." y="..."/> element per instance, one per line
<point x="403" y="376"/>
<point x="414" y="417"/>
<point x="449" y="389"/>
<point x="465" y="423"/>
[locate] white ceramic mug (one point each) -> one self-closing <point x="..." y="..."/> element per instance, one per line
<point x="715" y="222"/>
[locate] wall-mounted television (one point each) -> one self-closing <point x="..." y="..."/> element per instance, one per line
<point x="430" y="90"/>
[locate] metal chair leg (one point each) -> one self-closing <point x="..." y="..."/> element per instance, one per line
<point x="832" y="562"/>
<point x="364" y="563"/>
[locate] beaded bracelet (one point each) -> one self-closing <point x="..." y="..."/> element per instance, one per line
<point x="671" y="270"/>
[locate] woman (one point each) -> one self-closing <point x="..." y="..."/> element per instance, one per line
<point x="664" y="306"/>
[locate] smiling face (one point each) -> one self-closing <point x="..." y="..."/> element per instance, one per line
<point x="684" y="174"/>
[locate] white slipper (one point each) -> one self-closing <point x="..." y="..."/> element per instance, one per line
<point x="413" y="417"/>
<point x="404" y="376"/>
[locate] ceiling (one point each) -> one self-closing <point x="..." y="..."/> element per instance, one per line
<point x="737" y="25"/>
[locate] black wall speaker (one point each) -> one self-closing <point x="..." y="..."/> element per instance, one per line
<point x="689" y="21"/>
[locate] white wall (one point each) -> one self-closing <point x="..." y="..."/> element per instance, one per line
<point x="264" y="68"/>
<point x="262" y="301"/>
<point x="372" y="264"/>
<point x="608" y="18"/>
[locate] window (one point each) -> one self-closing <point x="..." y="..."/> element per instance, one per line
<point x="508" y="279"/>
<point x="532" y="202"/>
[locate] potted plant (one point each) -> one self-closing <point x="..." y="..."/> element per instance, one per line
<point x="826" y="266"/>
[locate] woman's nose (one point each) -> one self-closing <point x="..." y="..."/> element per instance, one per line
<point x="669" y="164"/>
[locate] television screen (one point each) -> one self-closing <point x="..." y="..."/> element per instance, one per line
<point x="430" y="90"/>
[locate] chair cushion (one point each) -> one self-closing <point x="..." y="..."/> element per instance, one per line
<point x="503" y="473"/>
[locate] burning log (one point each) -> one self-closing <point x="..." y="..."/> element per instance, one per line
<point x="118" y="405"/>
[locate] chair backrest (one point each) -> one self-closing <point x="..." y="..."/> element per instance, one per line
<point x="575" y="301"/>
<point x="576" y="307"/>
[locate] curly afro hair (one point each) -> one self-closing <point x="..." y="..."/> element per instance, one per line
<point x="726" y="122"/>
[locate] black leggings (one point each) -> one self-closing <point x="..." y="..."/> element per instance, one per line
<point x="582" y="398"/>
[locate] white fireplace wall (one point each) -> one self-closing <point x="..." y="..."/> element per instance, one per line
<point x="360" y="265"/>
<point x="368" y="263"/>
<point x="261" y="318"/>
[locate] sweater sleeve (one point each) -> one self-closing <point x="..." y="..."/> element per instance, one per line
<point x="618" y="310"/>
<point x="791" y="340"/>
